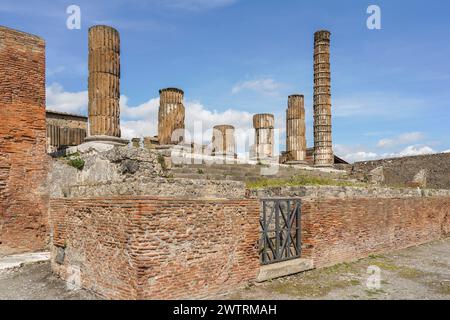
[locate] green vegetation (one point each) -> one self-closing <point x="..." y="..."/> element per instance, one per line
<point x="74" y="160"/>
<point x="162" y="162"/>
<point x="300" y="181"/>
<point x="77" y="163"/>
<point x="200" y="171"/>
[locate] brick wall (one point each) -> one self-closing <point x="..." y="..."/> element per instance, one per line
<point x="337" y="230"/>
<point x="154" y="248"/>
<point x="23" y="160"/>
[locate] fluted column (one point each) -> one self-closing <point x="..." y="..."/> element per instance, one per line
<point x="171" y="116"/>
<point x="296" y="129"/>
<point x="224" y="143"/>
<point x="264" y="125"/>
<point x="104" y="85"/>
<point x="323" y="147"/>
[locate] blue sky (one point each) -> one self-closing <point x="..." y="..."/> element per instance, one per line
<point x="234" y="58"/>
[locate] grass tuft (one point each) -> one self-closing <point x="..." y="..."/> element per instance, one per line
<point x="300" y="181"/>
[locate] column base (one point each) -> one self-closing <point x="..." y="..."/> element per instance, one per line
<point x="108" y="140"/>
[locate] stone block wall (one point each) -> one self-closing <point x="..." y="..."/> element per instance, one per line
<point x="431" y="171"/>
<point x="23" y="159"/>
<point x="155" y="248"/>
<point x="342" y="230"/>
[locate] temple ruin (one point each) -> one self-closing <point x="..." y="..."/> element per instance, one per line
<point x="171" y="116"/>
<point x="104" y="85"/>
<point x="264" y="125"/>
<point x="323" y="146"/>
<point x="123" y="222"/>
<point x="224" y="141"/>
<point x="65" y="130"/>
<point x="296" y="130"/>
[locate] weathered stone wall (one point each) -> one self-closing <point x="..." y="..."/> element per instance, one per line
<point x="119" y="171"/>
<point x="431" y="171"/>
<point x="23" y="158"/>
<point x="343" y="230"/>
<point x="155" y="248"/>
<point x="336" y="192"/>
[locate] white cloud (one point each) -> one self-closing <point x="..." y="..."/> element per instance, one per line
<point x="411" y="151"/>
<point x="142" y="120"/>
<point x="402" y="139"/>
<point x="265" y="86"/>
<point x="64" y="101"/>
<point x="360" y="153"/>
<point x="354" y="153"/>
<point x="446" y="151"/>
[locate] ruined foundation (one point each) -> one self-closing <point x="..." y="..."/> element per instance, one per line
<point x="104" y="85"/>
<point x="224" y="142"/>
<point x="171" y="117"/>
<point x="264" y="125"/>
<point x="323" y="148"/>
<point x="296" y="130"/>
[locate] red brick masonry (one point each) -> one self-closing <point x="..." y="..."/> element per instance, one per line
<point x="153" y="248"/>
<point x="340" y="230"/>
<point x="23" y="158"/>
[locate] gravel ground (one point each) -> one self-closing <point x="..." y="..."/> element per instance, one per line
<point x="416" y="273"/>
<point x="36" y="282"/>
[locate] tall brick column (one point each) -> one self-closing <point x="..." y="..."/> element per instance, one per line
<point x="264" y="125"/>
<point x="23" y="158"/>
<point x="104" y="85"/>
<point x="224" y="142"/>
<point x="171" y="116"/>
<point x="296" y="130"/>
<point x="323" y="147"/>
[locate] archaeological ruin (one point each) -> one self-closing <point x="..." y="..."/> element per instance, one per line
<point x="296" y="130"/>
<point x="323" y="148"/>
<point x="65" y="130"/>
<point x="171" y="117"/>
<point x="104" y="85"/>
<point x="124" y="220"/>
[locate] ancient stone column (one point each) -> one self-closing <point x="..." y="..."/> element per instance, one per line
<point x="171" y="117"/>
<point x="264" y="125"/>
<point x="296" y="130"/>
<point x="104" y="85"/>
<point x="224" y="143"/>
<point x="323" y="148"/>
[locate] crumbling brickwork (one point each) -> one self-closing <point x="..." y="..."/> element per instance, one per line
<point x="338" y="230"/>
<point x="23" y="159"/>
<point x="155" y="248"/>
